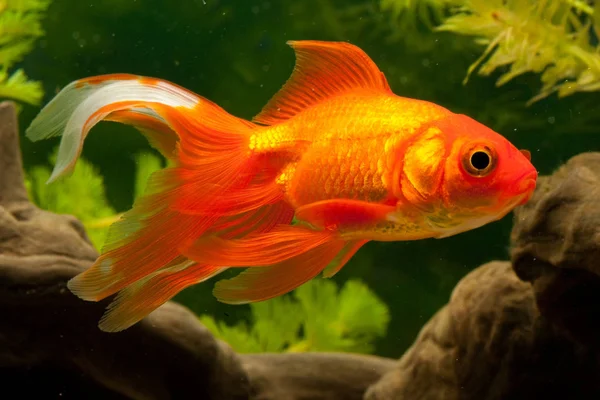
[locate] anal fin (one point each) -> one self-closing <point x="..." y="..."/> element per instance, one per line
<point x="267" y="248"/>
<point x="258" y="284"/>
<point x="349" y="250"/>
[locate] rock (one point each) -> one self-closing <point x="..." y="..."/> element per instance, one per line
<point x="556" y="247"/>
<point x="502" y="338"/>
<point x="51" y="346"/>
<point x="467" y="350"/>
<point x="326" y="376"/>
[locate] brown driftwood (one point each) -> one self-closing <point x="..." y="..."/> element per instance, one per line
<point x="51" y="347"/>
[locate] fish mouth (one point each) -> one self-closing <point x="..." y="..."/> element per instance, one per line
<point x="527" y="186"/>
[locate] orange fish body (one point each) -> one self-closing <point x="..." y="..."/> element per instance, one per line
<point x="335" y="149"/>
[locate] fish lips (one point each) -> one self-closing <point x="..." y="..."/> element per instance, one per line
<point x="526" y="186"/>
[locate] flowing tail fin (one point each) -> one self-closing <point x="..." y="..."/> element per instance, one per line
<point x="216" y="185"/>
<point x="119" y="97"/>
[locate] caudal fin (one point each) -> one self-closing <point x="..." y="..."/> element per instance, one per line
<point x="148" y="293"/>
<point x="216" y="185"/>
<point x="119" y="97"/>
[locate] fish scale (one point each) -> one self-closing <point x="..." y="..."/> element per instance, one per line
<point x="332" y="164"/>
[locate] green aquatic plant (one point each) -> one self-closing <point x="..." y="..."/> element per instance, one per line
<point x="554" y="38"/>
<point x="315" y="317"/>
<point x="406" y="14"/>
<point x="20" y="28"/>
<point x="82" y="193"/>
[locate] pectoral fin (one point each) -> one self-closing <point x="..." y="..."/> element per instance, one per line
<point x="343" y="213"/>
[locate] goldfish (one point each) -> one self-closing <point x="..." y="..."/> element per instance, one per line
<point x="333" y="161"/>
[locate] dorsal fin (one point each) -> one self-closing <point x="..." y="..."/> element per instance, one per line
<point x="322" y="70"/>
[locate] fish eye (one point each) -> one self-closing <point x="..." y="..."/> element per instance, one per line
<point x="479" y="161"/>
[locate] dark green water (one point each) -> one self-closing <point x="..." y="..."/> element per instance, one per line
<point x="234" y="53"/>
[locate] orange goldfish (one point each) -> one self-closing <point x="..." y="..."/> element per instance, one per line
<point x="335" y="149"/>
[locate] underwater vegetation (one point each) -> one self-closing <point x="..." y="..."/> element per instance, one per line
<point x="314" y="317"/>
<point x="86" y="185"/>
<point x="20" y="28"/>
<point x="555" y="38"/>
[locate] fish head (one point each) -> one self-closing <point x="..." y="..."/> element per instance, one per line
<point x="483" y="177"/>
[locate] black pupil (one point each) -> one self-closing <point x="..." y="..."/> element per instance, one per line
<point x="480" y="160"/>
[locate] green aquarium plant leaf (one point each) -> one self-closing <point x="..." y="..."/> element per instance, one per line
<point x="549" y="37"/>
<point x="557" y="39"/>
<point x="276" y="326"/>
<point x="19" y="87"/>
<point x="20" y="27"/>
<point x="82" y="193"/>
<point x="407" y="13"/>
<point x="277" y="323"/>
<point x="238" y="336"/>
<point x="348" y="321"/>
<point x="146" y="164"/>
<point x="315" y="317"/>
<point x="356" y="301"/>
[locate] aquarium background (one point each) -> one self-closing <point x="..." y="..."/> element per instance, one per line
<point x="235" y="54"/>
